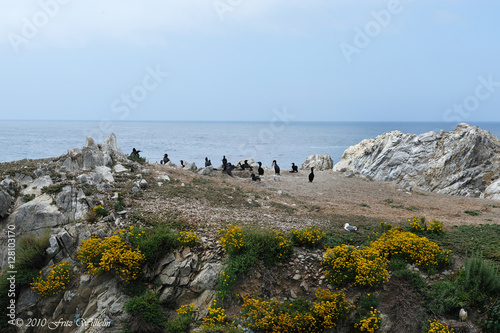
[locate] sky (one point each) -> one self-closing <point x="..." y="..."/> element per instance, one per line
<point x="249" y="60"/>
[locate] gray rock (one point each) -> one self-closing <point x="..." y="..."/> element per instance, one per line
<point x="53" y="248"/>
<point x="5" y="202"/>
<point x="119" y="168"/>
<point x="36" y="215"/>
<point x="167" y="295"/>
<point x="460" y="162"/>
<point x="143" y="184"/>
<point x="205" y="171"/>
<point x="36" y="187"/>
<point x="207" y="278"/>
<point x="105" y="173"/>
<point x="318" y="161"/>
<point x="70" y="165"/>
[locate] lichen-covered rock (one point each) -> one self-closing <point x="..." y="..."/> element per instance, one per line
<point x="460" y="162"/>
<point x="319" y="162"/>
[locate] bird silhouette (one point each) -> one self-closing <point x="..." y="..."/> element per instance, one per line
<point x="311" y="175"/>
<point x="260" y="170"/>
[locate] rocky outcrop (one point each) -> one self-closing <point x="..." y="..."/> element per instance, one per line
<point x="319" y="162"/>
<point x="5" y="202"/>
<point x="460" y="162"/>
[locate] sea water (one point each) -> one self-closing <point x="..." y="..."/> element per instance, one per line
<point x="193" y="141"/>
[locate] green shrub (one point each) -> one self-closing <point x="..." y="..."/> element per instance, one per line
<point x="53" y="189"/>
<point x="28" y="197"/>
<point x="146" y="312"/>
<point x="183" y="320"/>
<point x="415" y="280"/>
<point x="119" y="204"/>
<point x="473" y="212"/>
<point x="30" y="257"/>
<point x="492" y="323"/>
<point x="480" y="278"/>
<point x="154" y="242"/>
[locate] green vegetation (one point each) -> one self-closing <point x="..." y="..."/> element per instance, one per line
<point x="28" y="197"/>
<point x="473" y="212"/>
<point x="147" y="313"/>
<point x="246" y="248"/>
<point x="53" y="189"/>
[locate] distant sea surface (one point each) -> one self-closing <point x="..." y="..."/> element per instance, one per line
<point x="192" y="141"/>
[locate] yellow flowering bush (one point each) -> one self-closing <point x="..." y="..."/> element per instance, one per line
<point x="56" y="281"/>
<point x="412" y="248"/>
<point x="435" y="226"/>
<point x="188" y="238"/>
<point x="111" y="254"/>
<point x="298" y="316"/>
<point x="369" y="323"/>
<point x="186" y="309"/>
<point x="345" y="264"/>
<point x="311" y="236"/>
<point x="417" y="223"/>
<point x="231" y="239"/>
<point x="283" y="246"/>
<point x="437" y="327"/>
<point x="216" y="316"/>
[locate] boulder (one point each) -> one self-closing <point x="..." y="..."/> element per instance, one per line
<point x="36" y="215"/>
<point x="5" y="202"/>
<point x="459" y="162"/>
<point x="492" y="191"/>
<point x="207" y="278"/>
<point x="206" y="171"/>
<point x="319" y="162"/>
<point x="37" y="185"/>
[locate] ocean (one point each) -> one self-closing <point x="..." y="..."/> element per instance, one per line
<point x="285" y="142"/>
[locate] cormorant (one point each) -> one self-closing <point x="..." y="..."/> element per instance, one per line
<point x="276" y="168"/>
<point x="246" y="166"/>
<point x="311" y="175"/>
<point x="228" y="168"/>
<point x="255" y="178"/>
<point x="224" y="161"/>
<point x="207" y="162"/>
<point x="135" y="153"/>
<point x="260" y="170"/>
<point x="182" y="164"/>
<point x="165" y="159"/>
<point x="294" y="168"/>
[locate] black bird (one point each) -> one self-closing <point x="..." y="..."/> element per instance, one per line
<point x="255" y="178"/>
<point x="294" y="168"/>
<point x="207" y="162"/>
<point x="276" y="168"/>
<point x="311" y="175"/>
<point x="228" y="168"/>
<point x="260" y="170"/>
<point x="165" y="159"/>
<point x="182" y="164"/>
<point x="135" y="153"/>
<point x="224" y="161"/>
<point x="246" y="166"/>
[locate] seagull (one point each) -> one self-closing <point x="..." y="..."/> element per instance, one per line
<point x="350" y="227"/>
<point x="462" y="314"/>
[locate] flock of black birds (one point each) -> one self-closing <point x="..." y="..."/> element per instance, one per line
<point x="227" y="167"/>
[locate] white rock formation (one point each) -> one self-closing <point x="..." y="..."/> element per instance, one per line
<point x="460" y="162"/>
<point x="319" y="162"/>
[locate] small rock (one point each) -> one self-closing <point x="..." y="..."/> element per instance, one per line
<point x="297" y="277"/>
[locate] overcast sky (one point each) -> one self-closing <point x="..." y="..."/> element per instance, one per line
<point x="337" y="60"/>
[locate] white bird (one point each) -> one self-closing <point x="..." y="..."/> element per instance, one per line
<point x="462" y="314"/>
<point x="350" y="227"/>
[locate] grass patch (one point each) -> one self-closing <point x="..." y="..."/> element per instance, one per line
<point x="28" y="197"/>
<point x="468" y="238"/>
<point x="473" y="212"/>
<point x="146" y="312"/>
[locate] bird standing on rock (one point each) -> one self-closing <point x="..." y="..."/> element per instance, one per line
<point x="350" y="227"/>
<point x="294" y="168"/>
<point x="276" y="170"/>
<point x="311" y="175"/>
<point x="260" y="170"/>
